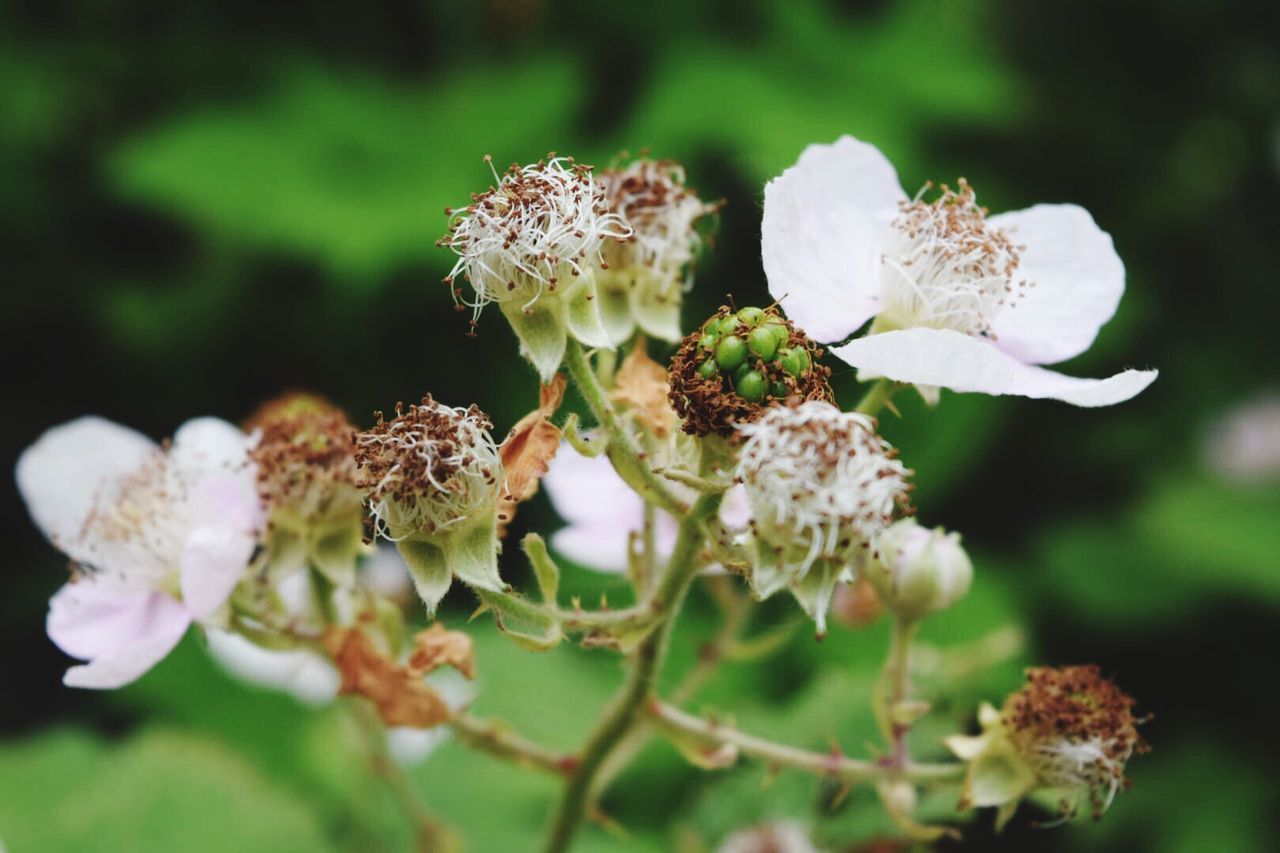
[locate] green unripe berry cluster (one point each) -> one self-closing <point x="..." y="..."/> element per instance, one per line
<point x="750" y="348"/>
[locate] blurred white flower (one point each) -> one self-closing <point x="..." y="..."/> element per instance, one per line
<point x="159" y="536"/>
<point x="961" y="301"/>
<point x="1244" y="446"/>
<point x="781" y="837"/>
<point x="603" y="513"/>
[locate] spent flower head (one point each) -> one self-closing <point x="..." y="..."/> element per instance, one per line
<point x="433" y="476"/>
<point x="644" y="276"/>
<point x="531" y="244"/>
<point x="821" y="484"/>
<point x="1068" y="730"/>
<point x="740" y="363"/>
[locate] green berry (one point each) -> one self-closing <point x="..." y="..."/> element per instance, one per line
<point x="728" y="325"/>
<point x="779" y="389"/>
<point x="708" y="340"/>
<point x="779" y="330"/>
<point x="794" y="361"/>
<point x="707" y="369"/>
<point x="762" y="342"/>
<point x="750" y="315"/>
<point x="751" y="386"/>
<point x="742" y="371"/>
<point x="731" y="353"/>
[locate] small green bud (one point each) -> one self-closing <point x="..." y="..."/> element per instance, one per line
<point x="707" y="369"/>
<point x="750" y="315"/>
<point x="708" y="340"/>
<point x="742" y="371"/>
<point x="762" y="342"/>
<point x="751" y="386"/>
<point x="731" y="352"/>
<point x="728" y="325"/>
<point x="779" y="389"/>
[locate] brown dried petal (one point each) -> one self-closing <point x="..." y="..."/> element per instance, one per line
<point x="438" y="646"/>
<point x="398" y="692"/>
<point x="527" y="450"/>
<point x="641" y="385"/>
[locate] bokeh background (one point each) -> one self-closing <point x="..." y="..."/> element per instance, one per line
<point x="205" y="203"/>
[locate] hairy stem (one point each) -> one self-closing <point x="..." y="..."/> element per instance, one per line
<point x="627" y="706"/>
<point x="496" y="739"/>
<point x="831" y="764"/>
<point x="628" y="458"/>
<point x="894" y="689"/>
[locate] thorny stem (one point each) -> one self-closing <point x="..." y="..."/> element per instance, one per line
<point x="893" y="690"/>
<point x="628" y="705"/>
<point x="831" y="764"/>
<point x="430" y="836"/>
<point x="877" y="397"/>
<point x="634" y="469"/>
<point x="494" y="738"/>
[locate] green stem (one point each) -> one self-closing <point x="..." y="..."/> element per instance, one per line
<point x="496" y="739"/>
<point x="628" y="458"/>
<point x="877" y="396"/>
<point x="893" y="690"/>
<point x="831" y="764"/>
<point x="627" y="706"/>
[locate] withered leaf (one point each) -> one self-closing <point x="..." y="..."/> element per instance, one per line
<point x="438" y="646"/>
<point x="398" y="692"/>
<point x="527" y="450"/>
<point x="641" y="385"/>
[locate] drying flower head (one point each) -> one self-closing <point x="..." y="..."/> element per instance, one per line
<point x="433" y="476"/>
<point x="159" y="536"/>
<point x="1068" y="730"/>
<point x="961" y="300"/>
<point x="532" y="244"/>
<point x="918" y="571"/>
<point x="304" y="452"/>
<point x="740" y="363"/>
<point x="821" y="485"/>
<point x="644" y="276"/>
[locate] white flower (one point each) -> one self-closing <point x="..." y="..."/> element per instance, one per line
<point x="644" y="276"/>
<point x="531" y="244"/>
<point x="604" y="514"/>
<point x="782" y="837"/>
<point x="1244" y="446"/>
<point x="961" y="301"/>
<point x="821" y="484"/>
<point x="160" y="536"/>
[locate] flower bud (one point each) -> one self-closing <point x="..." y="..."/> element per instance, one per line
<point x="739" y="364"/>
<point x="821" y="484"/>
<point x="643" y="277"/>
<point x="1068" y="730"/>
<point x="433" y="477"/>
<point x="918" y="571"/>
<point x="532" y="244"/>
<point x="304" y="451"/>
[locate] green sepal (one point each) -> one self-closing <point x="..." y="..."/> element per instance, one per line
<point x="542" y="331"/>
<point x="429" y="569"/>
<point x="814" y="591"/>
<point x="544" y="568"/>
<point x="655" y="305"/>
<point x="614" y="295"/>
<point x="336" y="549"/>
<point x="585" y="323"/>
<point x="472" y="552"/>
<point x="531" y="626"/>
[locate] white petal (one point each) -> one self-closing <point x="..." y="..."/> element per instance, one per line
<point x="1077" y="280"/>
<point x="587" y="490"/>
<point x="594" y="547"/>
<point x="824" y="221"/>
<point x="301" y="673"/>
<point x="210" y="445"/>
<point x="69" y="466"/>
<point x="961" y="363"/>
<point x="213" y="560"/>
<point x="122" y="636"/>
<point x="735" y="511"/>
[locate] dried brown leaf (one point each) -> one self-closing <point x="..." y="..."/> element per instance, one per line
<point x="641" y="385"/>
<point x="527" y="451"/>
<point x="438" y="646"/>
<point x="398" y="692"/>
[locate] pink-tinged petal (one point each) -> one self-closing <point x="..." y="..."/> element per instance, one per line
<point x="603" y="548"/>
<point x="122" y="633"/>
<point x="588" y="491"/>
<point x="213" y="561"/>
<point x="735" y="511"/>
<point x="952" y="360"/>
<point x="230" y="499"/>
<point x="208" y="446"/>
<point x="64" y="472"/>
<point x="824" y="222"/>
<point x="1076" y="281"/>
<point x="305" y="675"/>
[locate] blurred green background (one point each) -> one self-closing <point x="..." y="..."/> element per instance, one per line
<point x="206" y="203"/>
